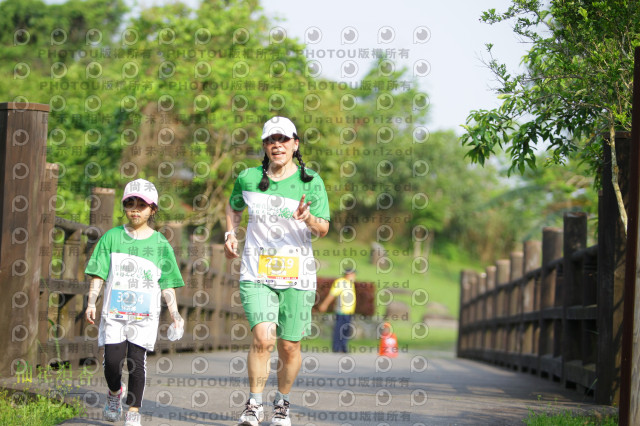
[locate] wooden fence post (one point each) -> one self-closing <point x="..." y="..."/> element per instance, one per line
<point x="531" y="261"/>
<point x="102" y="205"/>
<point x="462" y="316"/>
<point x="101" y="219"/>
<point x="49" y="191"/>
<point x="502" y="277"/>
<point x="550" y="323"/>
<point x="23" y="135"/>
<point x="471" y="301"/>
<point x="575" y="238"/>
<point x="193" y="284"/>
<point x="514" y="305"/>
<point x="215" y="318"/>
<point x="481" y="313"/>
<point x="491" y="301"/>
<point x="612" y="253"/>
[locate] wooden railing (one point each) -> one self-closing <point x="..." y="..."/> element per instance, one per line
<point x="540" y="311"/>
<point x="209" y="302"/>
<point x="555" y="309"/>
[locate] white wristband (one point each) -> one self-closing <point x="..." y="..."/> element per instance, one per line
<point x="226" y="234"/>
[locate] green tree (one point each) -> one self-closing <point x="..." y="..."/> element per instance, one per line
<point x="375" y="153"/>
<point x="54" y="54"/>
<point x="179" y="96"/>
<point x="215" y="74"/>
<point x="175" y="94"/>
<point x="576" y="84"/>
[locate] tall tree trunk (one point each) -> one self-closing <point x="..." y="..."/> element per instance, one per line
<point x="614" y="177"/>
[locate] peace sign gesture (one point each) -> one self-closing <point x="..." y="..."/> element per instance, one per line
<point x="302" y="212"/>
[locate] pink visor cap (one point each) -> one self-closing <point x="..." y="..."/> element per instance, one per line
<point x="143" y="189"/>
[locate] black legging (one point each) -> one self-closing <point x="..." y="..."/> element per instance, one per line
<point x="136" y="356"/>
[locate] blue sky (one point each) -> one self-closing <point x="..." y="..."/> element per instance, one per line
<point x="441" y="43"/>
<point x="456" y="80"/>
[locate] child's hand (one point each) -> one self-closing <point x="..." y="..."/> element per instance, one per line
<point x="178" y="322"/>
<point x="176" y="330"/>
<point x="91" y="313"/>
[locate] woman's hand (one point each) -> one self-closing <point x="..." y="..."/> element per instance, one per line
<point x="231" y="247"/>
<point x="319" y="227"/>
<point x="233" y="217"/>
<point x="302" y="212"/>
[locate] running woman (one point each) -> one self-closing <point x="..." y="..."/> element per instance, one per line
<point x="286" y="204"/>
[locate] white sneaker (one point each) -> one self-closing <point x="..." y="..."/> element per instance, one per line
<point x="252" y="415"/>
<point x="113" y="408"/>
<point x="281" y="414"/>
<point x="132" y="418"/>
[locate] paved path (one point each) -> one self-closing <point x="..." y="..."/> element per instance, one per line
<point x="356" y="389"/>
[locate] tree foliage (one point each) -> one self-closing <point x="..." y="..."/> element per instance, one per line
<point x="576" y="83"/>
<point x="179" y="95"/>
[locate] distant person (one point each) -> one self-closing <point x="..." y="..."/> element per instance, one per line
<point x="138" y="265"/>
<point x="286" y="204"/>
<point x="343" y="291"/>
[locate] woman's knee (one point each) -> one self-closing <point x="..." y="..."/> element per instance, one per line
<point x="264" y="336"/>
<point x="288" y="348"/>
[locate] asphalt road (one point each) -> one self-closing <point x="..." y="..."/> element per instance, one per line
<point x="425" y="388"/>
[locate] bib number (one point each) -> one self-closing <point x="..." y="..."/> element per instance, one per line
<point x="129" y="302"/>
<point x="281" y="267"/>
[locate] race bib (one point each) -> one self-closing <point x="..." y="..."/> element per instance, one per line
<point x="136" y="304"/>
<point x="278" y="267"/>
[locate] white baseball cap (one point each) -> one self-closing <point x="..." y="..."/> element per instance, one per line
<point x="278" y="126"/>
<point x="143" y="189"/>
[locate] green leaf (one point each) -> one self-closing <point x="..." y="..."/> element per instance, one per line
<point x="582" y="11"/>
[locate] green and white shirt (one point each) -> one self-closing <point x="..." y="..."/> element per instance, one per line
<point x="135" y="271"/>
<point x="277" y="250"/>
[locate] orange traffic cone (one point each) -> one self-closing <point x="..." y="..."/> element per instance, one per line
<point x="388" y="342"/>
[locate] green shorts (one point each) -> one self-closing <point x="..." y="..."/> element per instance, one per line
<point x="289" y="308"/>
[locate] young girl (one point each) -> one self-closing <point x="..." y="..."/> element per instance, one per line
<point x="138" y="265"/>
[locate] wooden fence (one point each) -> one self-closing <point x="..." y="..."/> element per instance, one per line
<point x="532" y="318"/>
<point x="43" y="257"/>
<point x="209" y="302"/>
<point x="555" y="308"/>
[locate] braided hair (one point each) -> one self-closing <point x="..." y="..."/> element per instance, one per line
<point x="304" y="176"/>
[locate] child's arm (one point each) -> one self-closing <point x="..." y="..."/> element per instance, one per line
<point x="94" y="292"/>
<point x="169" y="295"/>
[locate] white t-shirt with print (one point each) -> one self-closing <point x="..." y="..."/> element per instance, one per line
<point x="277" y="250"/>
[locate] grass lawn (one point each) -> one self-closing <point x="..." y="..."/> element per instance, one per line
<point x="20" y="408"/>
<point x="404" y="282"/>
<point x="566" y="418"/>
